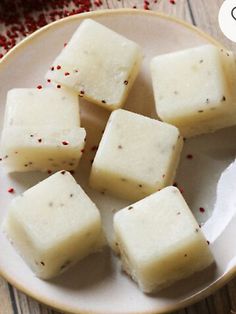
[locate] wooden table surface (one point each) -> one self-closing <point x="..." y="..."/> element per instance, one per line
<point x="204" y="14"/>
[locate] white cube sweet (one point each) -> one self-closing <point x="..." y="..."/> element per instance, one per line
<point x="193" y="89"/>
<point x="99" y="64"/>
<point x="160" y="241"/>
<point x="41" y="130"/>
<point x="53" y="225"/>
<point x="32" y="107"/>
<point x="44" y="149"/>
<point x="136" y="157"/>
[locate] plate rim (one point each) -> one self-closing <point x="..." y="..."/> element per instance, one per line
<point x="66" y="308"/>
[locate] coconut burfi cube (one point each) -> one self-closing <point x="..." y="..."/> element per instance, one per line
<point x="53" y="225"/>
<point x="43" y="149"/>
<point x="41" y="130"/>
<point x="136" y="157"/>
<point x="160" y="241"/>
<point x="99" y="64"/>
<point x="32" y="107"/>
<point x="193" y="89"/>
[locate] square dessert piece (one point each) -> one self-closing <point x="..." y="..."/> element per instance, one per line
<point x="136" y="157"/>
<point x="98" y="64"/>
<point x="41" y="130"/>
<point x="32" y="107"/>
<point x="43" y="149"/>
<point x="160" y="241"/>
<point x="193" y="89"/>
<point x="53" y="225"/>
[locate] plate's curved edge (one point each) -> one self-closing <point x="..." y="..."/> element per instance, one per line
<point x="104" y="12"/>
<point x="61" y="307"/>
<point x="187" y="302"/>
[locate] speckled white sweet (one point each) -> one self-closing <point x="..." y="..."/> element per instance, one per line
<point x="136" y="157"/>
<point x="160" y="241"/>
<point x="53" y="225"/>
<point x="193" y="89"/>
<point x="43" y="149"/>
<point x="32" y="107"/>
<point x="99" y="64"/>
<point x="41" y="130"/>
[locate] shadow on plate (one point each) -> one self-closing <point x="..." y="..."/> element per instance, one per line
<point x="89" y="272"/>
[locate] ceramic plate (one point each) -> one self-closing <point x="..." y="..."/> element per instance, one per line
<point x="97" y="285"/>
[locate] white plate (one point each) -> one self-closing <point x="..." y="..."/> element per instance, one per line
<point x="96" y="285"/>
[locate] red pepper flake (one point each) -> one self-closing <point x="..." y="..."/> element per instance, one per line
<point x="49" y="171"/>
<point x="48" y="80"/>
<point x="58" y="86"/>
<point x="202" y="210"/>
<point x="39" y="87"/>
<point x="94" y="148"/>
<point x="10" y="190"/>
<point x="98" y="3"/>
<point x="0" y="159"/>
<point x="175" y="184"/>
<point x="65" y="143"/>
<point x="189" y="156"/>
<point x="40" y="140"/>
<point x="181" y="191"/>
<point x="52" y="68"/>
<point x="65" y="44"/>
<point x="58" y="67"/>
<point x="103" y="101"/>
<point x="63" y="172"/>
<point x="172" y="1"/>
<point x="208" y="242"/>
<point x="67" y="73"/>
<point x="126" y="82"/>
<point x="82" y="150"/>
